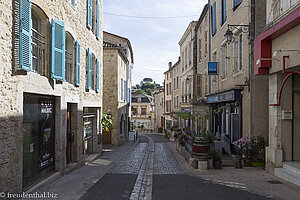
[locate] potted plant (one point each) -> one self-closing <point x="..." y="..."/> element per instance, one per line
<point x="217" y="158"/>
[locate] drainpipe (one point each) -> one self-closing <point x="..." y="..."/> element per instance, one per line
<point x="251" y="60"/>
<point x="209" y="53"/>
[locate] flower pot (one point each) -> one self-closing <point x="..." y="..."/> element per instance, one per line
<point x="217" y="164"/>
<point x="200" y="148"/>
<point x="258" y="164"/>
<point x="210" y="163"/>
<point x="247" y="162"/>
<point x="237" y="161"/>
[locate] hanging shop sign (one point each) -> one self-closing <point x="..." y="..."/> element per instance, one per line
<point x="212" y="68"/>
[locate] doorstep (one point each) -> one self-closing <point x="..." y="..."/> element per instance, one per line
<point x="45" y="181"/>
<point x="91" y="157"/>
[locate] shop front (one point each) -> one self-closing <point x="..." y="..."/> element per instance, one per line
<point x="91" y="130"/>
<point x="226" y="111"/>
<point x="38" y="138"/>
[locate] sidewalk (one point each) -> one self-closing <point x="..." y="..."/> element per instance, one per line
<point x="251" y="179"/>
<point x="73" y="185"/>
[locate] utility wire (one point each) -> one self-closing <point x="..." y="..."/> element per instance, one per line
<point x="147" y="69"/>
<point x="150" y="17"/>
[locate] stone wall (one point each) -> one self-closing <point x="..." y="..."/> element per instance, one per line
<point x="15" y="83"/>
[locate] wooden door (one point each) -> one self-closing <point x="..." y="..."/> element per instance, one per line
<point x="106" y="137"/>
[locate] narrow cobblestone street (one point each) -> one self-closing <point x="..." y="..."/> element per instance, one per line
<point x="149" y="170"/>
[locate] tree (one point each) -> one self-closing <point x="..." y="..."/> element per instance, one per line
<point x="149" y="92"/>
<point x="147" y="80"/>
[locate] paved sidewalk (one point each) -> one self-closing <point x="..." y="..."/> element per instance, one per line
<point x="251" y="179"/>
<point x="75" y="184"/>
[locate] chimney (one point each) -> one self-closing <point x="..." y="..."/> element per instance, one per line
<point x="170" y="65"/>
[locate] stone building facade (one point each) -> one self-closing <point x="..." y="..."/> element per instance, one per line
<point x="234" y="89"/>
<point x="168" y="97"/>
<point x="277" y="58"/>
<point x="188" y="72"/>
<point x="118" y="61"/>
<point x="142" y="112"/>
<point x="159" y="110"/>
<point x="51" y="88"/>
<point x="202" y="58"/>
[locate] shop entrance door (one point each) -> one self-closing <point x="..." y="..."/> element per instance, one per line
<point x="70" y="133"/>
<point x="88" y="133"/>
<point x="296" y="128"/>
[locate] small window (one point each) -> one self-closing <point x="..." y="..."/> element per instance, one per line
<point x="143" y="111"/>
<point x="236" y="3"/>
<point x="72" y="3"/>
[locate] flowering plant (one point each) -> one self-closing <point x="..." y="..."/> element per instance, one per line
<point x="251" y="148"/>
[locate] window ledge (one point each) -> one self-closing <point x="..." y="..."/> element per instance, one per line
<point x="239" y="72"/>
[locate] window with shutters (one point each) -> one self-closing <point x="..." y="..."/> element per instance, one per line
<point x="206" y="83"/>
<point x="88" y="69"/>
<point x="200" y="49"/>
<point x="93" y="16"/>
<point x="93" y="70"/>
<point x="58" y="50"/>
<point x="206" y="43"/>
<point x="177" y="82"/>
<point x="223" y="61"/>
<point x="214" y="19"/>
<point x="38" y="42"/>
<point x="238" y="53"/>
<point x="236" y="3"/>
<point x="190" y="54"/>
<point x="186" y="57"/>
<point x="214" y="59"/>
<point x="223" y="13"/>
<point x="72" y="3"/>
<point x="198" y="85"/>
<point x="70" y="59"/>
<point x="182" y="62"/>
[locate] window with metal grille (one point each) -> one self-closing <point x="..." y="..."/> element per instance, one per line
<point x="37" y="46"/>
<point x="70" y="58"/>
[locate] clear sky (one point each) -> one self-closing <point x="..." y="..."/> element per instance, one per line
<point x="154" y="40"/>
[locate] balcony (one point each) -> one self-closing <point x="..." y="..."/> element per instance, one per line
<point x="141" y="116"/>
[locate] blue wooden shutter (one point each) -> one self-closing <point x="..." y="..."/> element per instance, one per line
<point x="97" y="19"/>
<point x="58" y="50"/>
<point x="77" y="64"/>
<point x="214" y="19"/>
<point x="121" y="89"/>
<point x="125" y="90"/>
<point x="89" y="14"/>
<point x="97" y="75"/>
<point x="128" y="96"/>
<point x="25" y="35"/>
<point x="225" y="10"/>
<point x="89" y="69"/>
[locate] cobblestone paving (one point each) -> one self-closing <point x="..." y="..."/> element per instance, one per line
<point x="132" y="161"/>
<point x="164" y="161"/>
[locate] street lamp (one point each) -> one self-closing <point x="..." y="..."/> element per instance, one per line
<point x="229" y="34"/>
